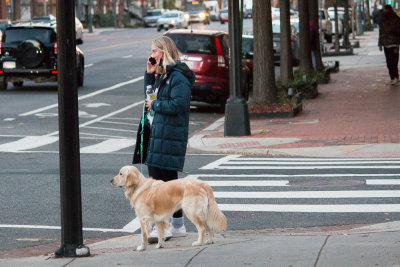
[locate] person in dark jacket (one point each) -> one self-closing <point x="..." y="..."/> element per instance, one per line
<point x="172" y="81"/>
<point x="389" y="39"/>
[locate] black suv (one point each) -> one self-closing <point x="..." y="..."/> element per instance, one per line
<point x="28" y="51"/>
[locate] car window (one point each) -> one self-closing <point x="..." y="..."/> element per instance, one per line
<point x="21" y="34"/>
<point x="170" y="15"/>
<point x="247" y="45"/>
<point x="194" y="44"/>
<point x="322" y="14"/>
<point x="153" y="13"/>
<point x="225" y="45"/>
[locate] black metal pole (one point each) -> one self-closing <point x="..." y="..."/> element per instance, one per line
<point x="236" y="114"/>
<point x="70" y="176"/>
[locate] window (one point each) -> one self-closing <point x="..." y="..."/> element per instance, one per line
<point x="194" y="44"/>
<point x="21" y="34"/>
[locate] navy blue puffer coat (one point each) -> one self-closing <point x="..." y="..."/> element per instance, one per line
<point x="170" y="127"/>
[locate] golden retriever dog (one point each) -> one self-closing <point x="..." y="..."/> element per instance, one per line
<point x="155" y="201"/>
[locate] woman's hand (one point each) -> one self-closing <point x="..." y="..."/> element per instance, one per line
<point x="148" y="103"/>
<point x="151" y="68"/>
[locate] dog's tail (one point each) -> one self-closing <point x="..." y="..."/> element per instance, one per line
<point x="216" y="220"/>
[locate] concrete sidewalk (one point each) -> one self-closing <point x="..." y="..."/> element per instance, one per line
<point x="375" y="245"/>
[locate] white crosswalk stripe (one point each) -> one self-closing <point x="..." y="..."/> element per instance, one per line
<point x="290" y="192"/>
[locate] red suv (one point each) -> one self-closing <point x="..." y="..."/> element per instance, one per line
<point x="207" y="54"/>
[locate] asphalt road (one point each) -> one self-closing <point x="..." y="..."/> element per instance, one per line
<point x="109" y="110"/>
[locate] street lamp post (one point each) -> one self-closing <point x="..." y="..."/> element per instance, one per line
<point x="236" y="114"/>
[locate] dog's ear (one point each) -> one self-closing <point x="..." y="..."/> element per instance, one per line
<point x="131" y="178"/>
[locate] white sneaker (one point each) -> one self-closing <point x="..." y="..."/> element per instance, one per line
<point x="394" y="81"/>
<point x="153" y="236"/>
<point x="177" y="232"/>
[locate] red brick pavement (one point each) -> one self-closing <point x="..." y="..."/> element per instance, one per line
<point x="357" y="106"/>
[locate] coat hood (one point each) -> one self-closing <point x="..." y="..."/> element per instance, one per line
<point x="183" y="68"/>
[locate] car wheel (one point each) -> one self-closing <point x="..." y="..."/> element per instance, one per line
<point x="3" y="84"/>
<point x="328" y="38"/>
<point x="222" y="22"/>
<point x="18" y="84"/>
<point x="158" y="29"/>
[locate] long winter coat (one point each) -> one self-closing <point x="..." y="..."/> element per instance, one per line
<point x="170" y="127"/>
<point x="389" y="30"/>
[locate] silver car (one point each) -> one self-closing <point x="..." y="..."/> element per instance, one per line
<point x="152" y="15"/>
<point x="276" y="30"/>
<point x="173" y="19"/>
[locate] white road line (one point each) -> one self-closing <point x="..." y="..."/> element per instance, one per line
<point x="120" y="123"/>
<point x="313" y="159"/>
<point x="309" y="163"/>
<point x="311" y="194"/>
<point x="49" y="227"/>
<point x="89" y="65"/>
<point x="345" y="208"/>
<point x="116" y="86"/>
<point x="110" y="129"/>
<point x="248" y="183"/>
<point x="128" y="56"/>
<point x="103" y="117"/>
<point x="104" y="136"/>
<point x="133" y="226"/>
<point x="28" y="142"/>
<point x="382" y="182"/>
<point x="9" y="119"/>
<point x="215" y="124"/>
<point x="215" y="164"/>
<point x="107" y="146"/>
<point x="295" y="175"/>
<point x="303" y="168"/>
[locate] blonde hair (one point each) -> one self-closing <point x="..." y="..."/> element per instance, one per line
<point x="171" y="53"/>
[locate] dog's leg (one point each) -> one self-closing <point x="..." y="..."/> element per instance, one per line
<point x="201" y="230"/>
<point x="143" y="229"/>
<point x="211" y="236"/>
<point x="161" y="226"/>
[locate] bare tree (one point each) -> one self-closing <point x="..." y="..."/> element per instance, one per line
<point x="305" y="49"/>
<point x="314" y="15"/>
<point x="264" y="89"/>
<point x="286" y="49"/>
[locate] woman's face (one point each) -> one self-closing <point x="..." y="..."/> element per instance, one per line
<point x="156" y="53"/>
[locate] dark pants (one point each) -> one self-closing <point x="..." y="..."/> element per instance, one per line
<point x="392" y="60"/>
<point x="164" y="175"/>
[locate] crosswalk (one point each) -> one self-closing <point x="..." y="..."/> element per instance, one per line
<point x="359" y="185"/>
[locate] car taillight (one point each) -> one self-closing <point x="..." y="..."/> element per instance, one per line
<point x="220" y="54"/>
<point x="55" y="48"/>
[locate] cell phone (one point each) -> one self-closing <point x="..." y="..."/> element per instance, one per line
<point x="152" y="60"/>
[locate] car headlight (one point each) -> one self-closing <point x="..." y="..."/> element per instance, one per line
<point x="173" y="21"/>
<point x="187" y="17"/>
<point x="202" y="15"/>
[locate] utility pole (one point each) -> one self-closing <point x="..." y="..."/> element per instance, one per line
<point x="70" y="175"/>
<point x="236" y="113"/>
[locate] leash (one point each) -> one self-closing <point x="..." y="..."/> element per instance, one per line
<point x="141" y="139"/>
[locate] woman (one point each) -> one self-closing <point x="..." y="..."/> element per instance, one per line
<point x="172" y="81"/>
<point x="389" y="38"/>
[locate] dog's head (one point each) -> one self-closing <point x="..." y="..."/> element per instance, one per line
<point x="128" y="177"/>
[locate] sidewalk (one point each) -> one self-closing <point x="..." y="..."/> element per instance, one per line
<point x="355" y="115"/>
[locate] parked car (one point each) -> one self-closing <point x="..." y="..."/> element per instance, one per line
<point x="223" y="15"/>
<point x="206" y="52"/>
<point x="152" y="15"/>
<point x="325" y="24"/>
<point x="78" y="31"/>
<point x="172" y="19"/>
<point x="248" y="13"/>
<point x="4" y="24"/>
<point x="198" y="12"/>
<point x="29" y="52"/>
<point x="331" y="12"/>
<point x="213" y="9"/>
<point x="295" y="43"/>
<point x="247" y="55"/>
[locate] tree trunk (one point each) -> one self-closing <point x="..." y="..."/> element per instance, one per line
<point x="286" y="49"/>
<point x="337" y="44"/>
<point x="264" y="89"/>
<point x="346" y="28"/>
<point x="314" y="15"/>
<point x="304" y="35"/>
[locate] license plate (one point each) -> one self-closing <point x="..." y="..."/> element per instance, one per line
<point x="9" y="65"/>
<point x="189" y="64"/>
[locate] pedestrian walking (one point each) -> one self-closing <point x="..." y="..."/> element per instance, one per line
<point x="389" y="39"/>
<point x="169" y="81"/>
